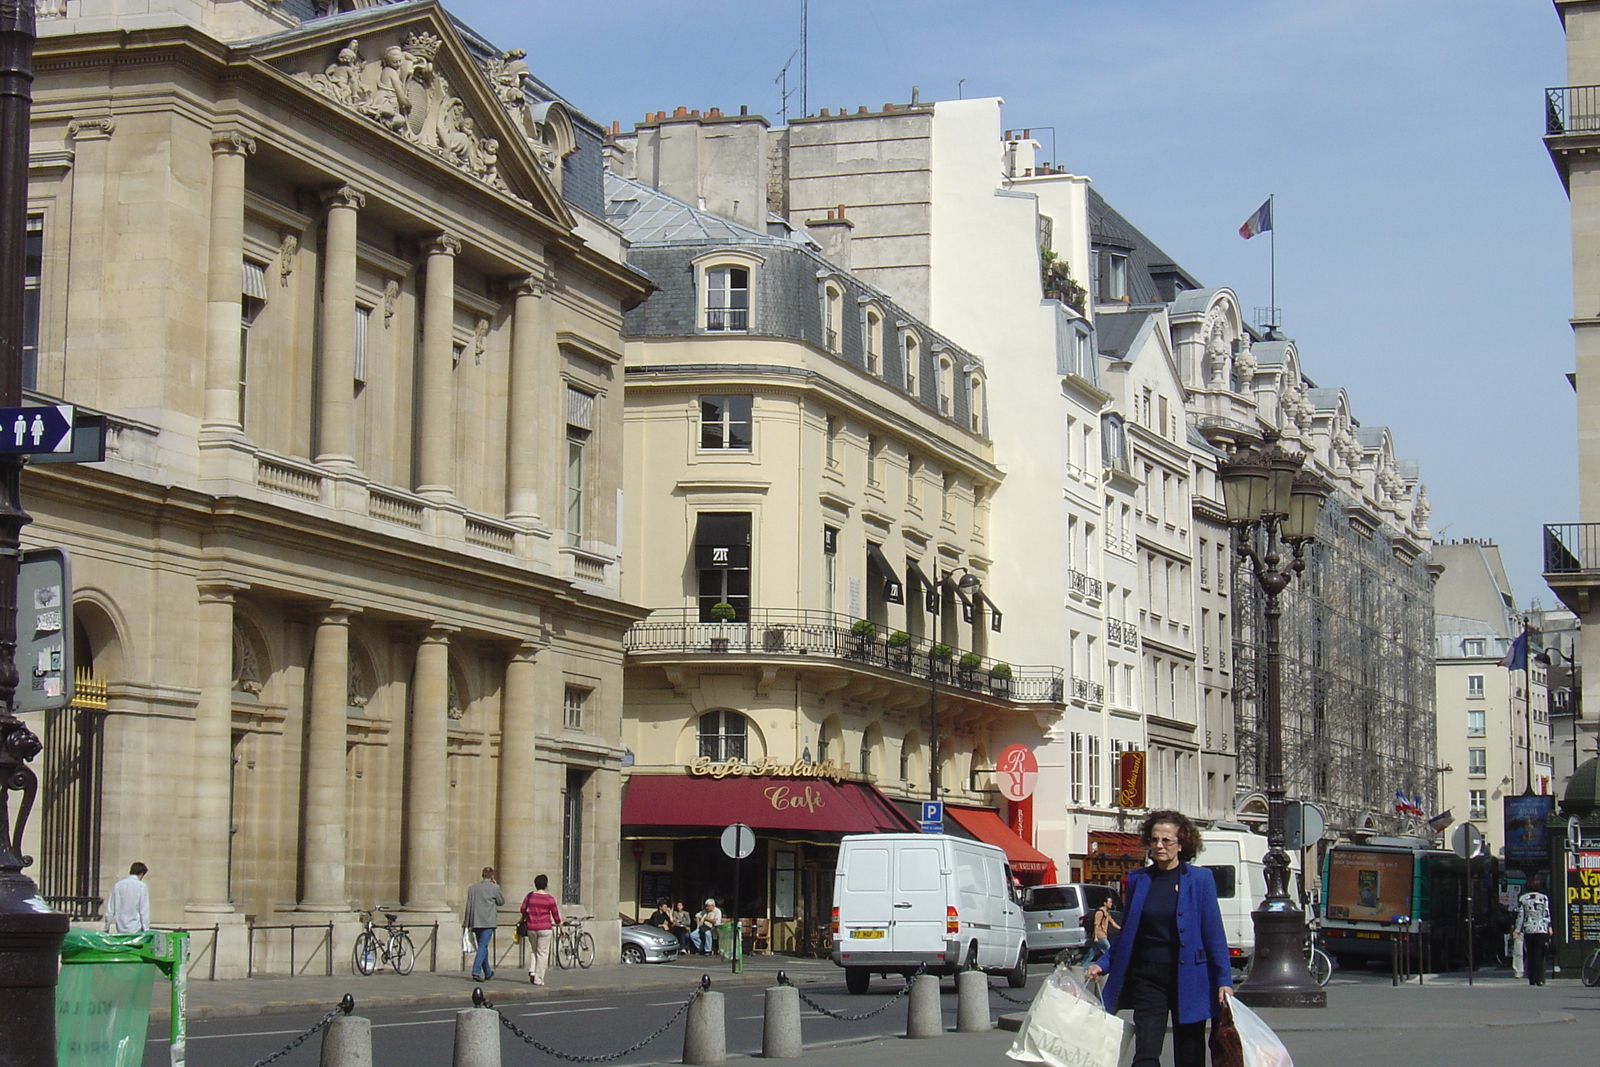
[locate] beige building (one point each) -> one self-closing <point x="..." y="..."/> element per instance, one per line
<point x="347" y="584"/>
<point x="813" y="472"/>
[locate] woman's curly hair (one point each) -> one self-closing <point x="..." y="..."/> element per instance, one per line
<point x="1189" y="843"/>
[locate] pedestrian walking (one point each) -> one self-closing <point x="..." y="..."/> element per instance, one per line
<point x="539" y="911"/>
<point x="1101" y="925"/>
<point x="483" y="902"/>
<point x="128" y="906"/>
<point x="705" y="926"/>
<point x="1533" y="923"/>
<point x="1171" y="958"/>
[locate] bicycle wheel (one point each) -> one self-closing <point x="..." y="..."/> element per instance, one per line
<point x="1320" y="966"/>
<point x="583" y="949"/>
<point x="1591" y="969"/>
<point x="566" y="952"/>
<point x="402" y="954"/>
<point x="365" y="959"/>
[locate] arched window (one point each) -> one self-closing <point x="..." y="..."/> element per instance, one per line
<point x="913" y="359"/>
<point x="946" y="384"/>
<point x="727" y="299"/>
<point x="832" y="305"/>
<point x="869" y="741"/>
<point x="722" y="735"/>
<point x="975" y="403"/>
<point x="873" y="346"/>
<point x="824" y="741"/>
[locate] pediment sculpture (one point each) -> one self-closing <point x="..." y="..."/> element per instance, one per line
<point x="402" y="91"/>
<point x="545" y="125"/>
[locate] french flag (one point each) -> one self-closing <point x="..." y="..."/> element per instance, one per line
<point x="1259" y="222"/>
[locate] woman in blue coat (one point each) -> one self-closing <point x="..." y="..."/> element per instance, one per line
<point x="1171" y="958"/>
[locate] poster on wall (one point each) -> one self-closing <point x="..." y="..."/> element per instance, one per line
<point x="1527" y="839"/>
<point x="1368" y="885"/>
<point x="1583" y="896"/>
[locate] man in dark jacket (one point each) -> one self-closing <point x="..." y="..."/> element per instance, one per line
<point x="483" y="902"/>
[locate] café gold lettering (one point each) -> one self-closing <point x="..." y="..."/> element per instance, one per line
<point x="784" y="798"/>
<point x="766" y="767"/>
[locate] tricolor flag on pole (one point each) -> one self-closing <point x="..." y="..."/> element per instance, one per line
<point x="1259" y="222"/>
<point x="1517" y="658"/>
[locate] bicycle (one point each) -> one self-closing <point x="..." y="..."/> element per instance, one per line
<point x="574" y="945"/>
<point x="1591" y="967"/>
<point x="393" y="947"/>
<point x="1317" y="961"/>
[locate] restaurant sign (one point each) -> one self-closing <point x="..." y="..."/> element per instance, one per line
<point x="766" y="767"/>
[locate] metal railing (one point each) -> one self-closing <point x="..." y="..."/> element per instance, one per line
<point x="1090" y="692"/>
<point x="1572" y="109"/>
<point x="1572" y="547"/>
<point x="827" y="635"/>
<point x="1122" y="633"/>
<point x="1079" y="582"/>
<point x="326" y="929"/>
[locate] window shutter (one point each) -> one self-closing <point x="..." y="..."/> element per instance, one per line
<point x="253" y="280"/>
<point x="363" y="316"/>
<point x="580" y="409"/>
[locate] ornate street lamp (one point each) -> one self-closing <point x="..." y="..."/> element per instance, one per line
<point x="1268" y="495"/>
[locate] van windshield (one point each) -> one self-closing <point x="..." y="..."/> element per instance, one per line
<point x="1051" y="898"/>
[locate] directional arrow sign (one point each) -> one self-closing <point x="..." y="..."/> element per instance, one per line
<point x="47" y="429"/>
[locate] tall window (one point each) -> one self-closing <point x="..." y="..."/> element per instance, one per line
<point x="722" y="735"/>
<point x="572" y="837"/>
<point x="727" y="298"/>
<point x="362" y="321"/>
<point x="1094" y="769"/>
<point x="1077" y="768"/>
<point x="824" y="743"/>
<point x="874" y="343"/>
<point x="1477" y="804"/>
<point x="722" y="558"/>
<point x="725" y="423"/>
<point x="975" y="403"/>
<point x="580" y="423"/>
<point x="1477" y="762"/>
<point x="572" y="705"/>
<point x="913" y="358"/>
<point x="832" y="305"/>
<point x="1474" y="685"/>
<point x="946" y="384"/>
<point x="905" y="759"/>
<point x="32" y="285"/>
<point x="913" y="481"/>
<point x="830" y="565"/>
<point x="1475" y="723"/>
<point x="830" y="446"/>
<point x="875" y="461"/>
<point x="1117" y="277"/>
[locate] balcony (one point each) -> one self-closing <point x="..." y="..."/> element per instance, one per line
<point x="1122" y="633"/>
<point x="825" y="635"/>
<point x="1088" y="692"/>
<point x="1083" y="585"/>
<point x="1571" y="122"/>
<point x="1572" y="563"/>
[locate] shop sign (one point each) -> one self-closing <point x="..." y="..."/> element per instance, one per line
<point x="793" y="798"/>
<point x="1583" y="896"/>
<point x="1130" y="780"/>
<point x="766" y="767"/>
<point x="1017" y="771"/>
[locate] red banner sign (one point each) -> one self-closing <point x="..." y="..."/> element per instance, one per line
<point x="1130" y="780"/>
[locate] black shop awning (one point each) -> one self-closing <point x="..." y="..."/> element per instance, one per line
<point x="722" y="539"/>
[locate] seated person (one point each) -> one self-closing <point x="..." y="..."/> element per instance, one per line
<point x="661" y="918"/>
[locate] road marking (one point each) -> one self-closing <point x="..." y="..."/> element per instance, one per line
<point x="215" y="1037"/>
<point x="561" y="1011"/>
<point x="419" y="1022"/>
<point x="560" y="1000"/>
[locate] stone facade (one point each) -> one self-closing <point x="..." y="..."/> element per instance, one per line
<point x="349" y="573"/>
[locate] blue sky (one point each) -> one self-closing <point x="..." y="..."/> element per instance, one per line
<point x="1423" y="250"/>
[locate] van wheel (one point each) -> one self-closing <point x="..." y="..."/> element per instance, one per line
<point x="856" y="980"/>
<point x="1017" y="977"/>
<point x="972" y="958"/>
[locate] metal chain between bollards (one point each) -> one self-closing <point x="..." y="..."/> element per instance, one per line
<point x="846" y="1017"/>
<point x="482" y="1001"/>
<point x="346" y="1005"/>
<point x="1003" y="995"/>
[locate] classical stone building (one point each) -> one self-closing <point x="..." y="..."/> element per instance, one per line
<point x="347" y="585"/>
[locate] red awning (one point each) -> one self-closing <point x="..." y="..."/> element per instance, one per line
<point x="809" y="805"/>
<point x="986" y="826"/>
<point x="1115" y="841"/>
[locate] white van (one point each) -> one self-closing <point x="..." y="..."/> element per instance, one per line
<point x="1234" y="857"/>
<point x="901" y="901"/>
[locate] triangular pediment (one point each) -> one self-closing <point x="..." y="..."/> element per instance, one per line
<point x="404" y="69"/>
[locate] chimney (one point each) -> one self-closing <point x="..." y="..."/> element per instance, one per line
<point x="832" y="235"/>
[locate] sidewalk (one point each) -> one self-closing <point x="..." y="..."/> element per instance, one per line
<point x="280" y="995"/>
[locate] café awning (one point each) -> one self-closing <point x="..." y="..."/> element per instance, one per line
<point x="893" y="589"/>
<point x="666" y="805"/>
<point x="986" y="826"/>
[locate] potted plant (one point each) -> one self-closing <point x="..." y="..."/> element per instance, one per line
<point x="1000" y="679"/>
<point x="862" y="633"/>
<point x="722" y="613"/>
<point x="968" y="665"/>
<point x="939" y="657"/>
<point x="900" y="650"/>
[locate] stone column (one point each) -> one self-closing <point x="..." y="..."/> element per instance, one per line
<point x="224" y="259"/>
<point x="212" y="754"/>
<point x="436" y="408"/>
<point x="427" y="774"/>
<point x="322" y="879"/>
<point x="336" y="382"/>
<point x="522" y="416"/>
<point x="519" y="726"/>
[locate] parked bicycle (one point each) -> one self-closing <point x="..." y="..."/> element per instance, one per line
<point x="574" y="945"/>
<point x="1317" y="961"/>
<point x="1591" y="967"/>
<point x="388" y="944"/>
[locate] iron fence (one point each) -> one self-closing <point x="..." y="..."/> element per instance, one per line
<point x="1572" y="109"/>
<point x="829" y="635"/>
<point x="1571" y="547"/>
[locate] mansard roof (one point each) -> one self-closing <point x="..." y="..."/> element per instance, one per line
<point x="656" y="217"/>
<point x="1146" y="260"/>
<point x="1116" y="336"/>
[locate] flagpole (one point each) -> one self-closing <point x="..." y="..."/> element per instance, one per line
<point x="1527" y="704"/>
<point x="1272" y="213"/>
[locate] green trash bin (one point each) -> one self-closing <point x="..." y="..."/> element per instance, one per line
<point x="730" y="946"/>
<point x="103" y="996"/>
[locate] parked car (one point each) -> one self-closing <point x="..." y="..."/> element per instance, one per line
<point x="1054" y="915"/>
<point x="643" y="943"/>
<point x="907" y="900"/>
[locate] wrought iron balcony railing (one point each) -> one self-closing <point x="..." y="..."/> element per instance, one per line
<point x="1571" y="547"/>
<point x="827" y="635"/>
<point x="1087" y="691"/>
<point x="1078" y="582"/>
<point x="1122" y="633"/>
<point x="1572" y="109"/>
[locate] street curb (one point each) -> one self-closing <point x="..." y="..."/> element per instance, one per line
<point x="1013" y="1021"/>
<point x="509" y="994"/>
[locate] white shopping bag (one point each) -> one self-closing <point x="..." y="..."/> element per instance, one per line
<point x="1066" y="1027"/>
<point x="1261" y="1046"/>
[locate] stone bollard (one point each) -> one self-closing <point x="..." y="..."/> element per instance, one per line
<point x="924" y="1016"/>
<point x="705" y="1035"/>
<point x="780" y="1032"/>
<point x="972" y="1003"/>
<point x="347" y="1042"/>
<point x="477" y="1038"/>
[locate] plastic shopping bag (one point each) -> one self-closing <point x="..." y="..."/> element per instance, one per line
<point x="1260" y="1045"/>
<point x="1066" y="1027"/>
<point x="468" y="945"/>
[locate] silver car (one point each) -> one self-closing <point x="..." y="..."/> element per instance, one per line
<point x="1054" y="915"/>
<point x="643" y="943"/>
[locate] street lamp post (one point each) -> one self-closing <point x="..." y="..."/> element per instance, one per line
<point x="967" y="581"/>
<point x="1266" y="493"/>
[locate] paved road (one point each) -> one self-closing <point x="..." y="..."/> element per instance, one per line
<point x="423" y="1037"/>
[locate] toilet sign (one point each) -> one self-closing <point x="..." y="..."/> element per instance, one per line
<point x="1016" y="771"/>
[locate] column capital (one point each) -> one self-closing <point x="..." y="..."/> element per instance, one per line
<point x="220" y="591"/>
<point x="528" y="651"/>
<point x="334" y="614"/>
<point x="442" y="244"/>
<point x="438" y="633"/>
<point x="98" y="126"/>
<point x="344" y="196"/>
<point x="536" y="283"/>
<point x="232" y="142"/>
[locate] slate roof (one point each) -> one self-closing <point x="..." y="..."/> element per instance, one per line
<point x="1145" y="258"/>
<point x="646" y="215"/>
<point x="1114" y="334"/>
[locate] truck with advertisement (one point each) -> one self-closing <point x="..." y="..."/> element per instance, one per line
<point x="1388" y="887"/>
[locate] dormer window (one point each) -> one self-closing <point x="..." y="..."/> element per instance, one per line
<point x="913" y="358"/>
<point x="975" y="403"/>
<point x="727" y="299"/>
<point x="946" y="384"/>
<point x="873" y="348"/>
<point x="832" y="311"/>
